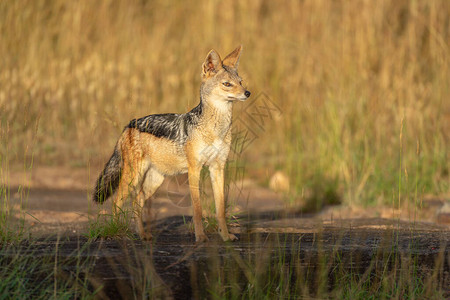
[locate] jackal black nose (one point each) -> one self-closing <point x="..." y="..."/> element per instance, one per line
<point x="247" y="94"/>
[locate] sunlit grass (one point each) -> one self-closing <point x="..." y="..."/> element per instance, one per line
<point x="12" y="209"/>
<point x="343" y="74"/>
<point x="110" y="226"/>
<point x="348" y="77"/>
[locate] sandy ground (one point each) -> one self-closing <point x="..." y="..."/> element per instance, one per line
<point x="58" y="198"/>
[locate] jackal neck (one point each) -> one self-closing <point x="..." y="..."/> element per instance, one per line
<point x="216" y="108"/>
<point x="217" y="112"/>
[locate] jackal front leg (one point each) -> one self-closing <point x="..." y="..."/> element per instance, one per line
<point x="217" y="180"/>
<point x="194" y="181"/>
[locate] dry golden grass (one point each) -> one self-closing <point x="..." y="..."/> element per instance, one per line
<point x="361" y="84"/>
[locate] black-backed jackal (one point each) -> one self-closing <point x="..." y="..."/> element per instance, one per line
<point x="156" y="146"/>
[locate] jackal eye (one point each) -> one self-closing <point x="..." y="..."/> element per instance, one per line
<point x="227" y="84"/>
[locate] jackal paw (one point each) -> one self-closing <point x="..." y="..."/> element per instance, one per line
<point x="200" y="238"/>
<point x="230" y="237"/>
<point x="145" y="235"/>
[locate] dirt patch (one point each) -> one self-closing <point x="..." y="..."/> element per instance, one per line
<point x="67" y="192"/>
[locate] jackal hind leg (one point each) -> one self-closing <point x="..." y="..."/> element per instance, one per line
<point x="122" y="191"/>
<point x="152" y="181"/>
<point x="130" y="183"/>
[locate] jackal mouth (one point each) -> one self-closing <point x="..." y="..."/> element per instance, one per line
<point x="237" y="98"/>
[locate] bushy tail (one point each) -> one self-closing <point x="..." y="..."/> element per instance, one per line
<point x="109" y="178"/>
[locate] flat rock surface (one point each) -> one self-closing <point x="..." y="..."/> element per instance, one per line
<point x="175" y="263"/>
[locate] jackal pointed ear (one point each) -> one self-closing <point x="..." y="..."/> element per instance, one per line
<point x="232" y="59"/>
<point x="212" y="64"/>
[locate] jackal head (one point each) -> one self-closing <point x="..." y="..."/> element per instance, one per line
<point x="220" y="80"/>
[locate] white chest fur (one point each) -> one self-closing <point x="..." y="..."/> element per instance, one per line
<point x="216" y="151"/>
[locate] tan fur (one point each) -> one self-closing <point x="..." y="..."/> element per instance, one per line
<point x="147" y="159"/>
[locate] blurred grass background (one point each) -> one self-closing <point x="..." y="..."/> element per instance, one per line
<point x="363" y="86"/>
